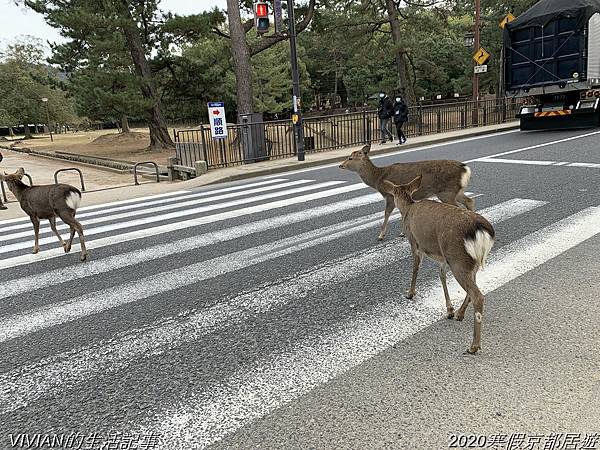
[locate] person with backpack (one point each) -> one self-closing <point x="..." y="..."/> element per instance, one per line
<point x="385" y="110"/>
<point x="400" y="116"/>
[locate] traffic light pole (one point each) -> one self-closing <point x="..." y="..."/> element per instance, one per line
<point x="297" y="110"/>
<point x="476" y="75"/>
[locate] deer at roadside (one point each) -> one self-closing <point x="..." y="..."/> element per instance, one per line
<point x="457" y="239"/>
<point x="445" y="179"/>
<point x="48" y="202"/>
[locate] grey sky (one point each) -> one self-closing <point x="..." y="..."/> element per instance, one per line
<point x="16" y="21"/>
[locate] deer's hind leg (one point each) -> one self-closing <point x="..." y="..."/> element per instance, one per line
<point x="36" y="232"/>
<point x="466" y="279"/>
<point x="68" y="217"/>
<point x="55" y="231"/>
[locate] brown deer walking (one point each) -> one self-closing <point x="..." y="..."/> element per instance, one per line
<point x="48" y="202"/>
<point x="456" y="238"/>
<point x="445" y="179"/>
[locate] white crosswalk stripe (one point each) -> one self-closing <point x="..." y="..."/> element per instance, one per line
<point x="175" y="331"/>
<point x="281" y="230"/>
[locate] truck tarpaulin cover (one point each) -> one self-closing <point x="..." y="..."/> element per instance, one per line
<point x="545" y="11"/>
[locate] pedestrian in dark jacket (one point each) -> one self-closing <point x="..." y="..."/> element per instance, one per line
<point x="1" y="204"/>
<point x="385" y="110"/>
<point x="400" y="116"/>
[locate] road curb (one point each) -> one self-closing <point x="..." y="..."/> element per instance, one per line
<point x="375" y="151"/>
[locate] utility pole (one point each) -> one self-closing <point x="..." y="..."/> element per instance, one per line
<point x="476" y="75"/>
<point x="297" y="109"/>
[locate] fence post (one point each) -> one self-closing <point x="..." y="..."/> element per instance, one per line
<point x="439" y="121"/>
<point x="485" y="109"/>
<point x="503" y="110"/>
<point x="204" y="150"/>
<point x="420" y="121"/>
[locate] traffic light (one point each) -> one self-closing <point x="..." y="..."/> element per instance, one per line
<point x="261" y="17"/>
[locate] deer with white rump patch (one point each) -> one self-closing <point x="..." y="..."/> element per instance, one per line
<point x="446" y="179"/>
<point x="454" y="237"/>
<point x="48" y="202"/>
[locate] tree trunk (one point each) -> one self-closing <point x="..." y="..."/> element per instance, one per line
<point x="159" y="135"/>
<point x="124" y="124"/>
<point x="403" y="84"/>
<point x="241" y="58"/>
<point x="11" y="132"/>
<point x="27" y="132"/>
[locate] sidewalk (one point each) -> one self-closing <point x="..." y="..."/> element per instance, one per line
<point x="104" y="186"/>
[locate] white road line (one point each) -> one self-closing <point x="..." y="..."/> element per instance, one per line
<point x="102" y="205"/>
<point x="539" y="163"/>
<point x="144" y="202"/>
<point x="532" y="147"/>
<point x="94" y="267"/>
<point x="526" y="162"/>
<point x="207" y="416"/>
<point x="400" y="152"/>
<point x="172" y="215"/>
<point x="147" y="232"/>
<point x="27" y="384"/>
<point x="192" y="200"/>
<point x="584" y="164"/>
<point x="21" y="324"/>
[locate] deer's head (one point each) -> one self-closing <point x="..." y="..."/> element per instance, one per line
<point x="402" y="192"/>
<point x="356" y="159"/>
<point x="14" y="178"/>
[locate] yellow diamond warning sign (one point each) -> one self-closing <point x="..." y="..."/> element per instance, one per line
<point x="481" y="56"/>
<point x="508" y="18"/>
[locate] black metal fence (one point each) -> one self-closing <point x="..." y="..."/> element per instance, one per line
<point x="276" y="138"/>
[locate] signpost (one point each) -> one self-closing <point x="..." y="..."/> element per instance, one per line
<point x="216" y="116"/>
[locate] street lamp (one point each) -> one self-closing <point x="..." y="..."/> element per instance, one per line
<point x="45" y="101"/>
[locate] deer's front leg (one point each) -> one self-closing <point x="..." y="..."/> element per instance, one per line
<point x="449" y="307"/>
<point x="416" y="264"/>
<point x="389" y="208"/>
<point x="36" y="231"/>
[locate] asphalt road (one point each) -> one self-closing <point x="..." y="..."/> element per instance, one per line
<point x="265" y="314"/>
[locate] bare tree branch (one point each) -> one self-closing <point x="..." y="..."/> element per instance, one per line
<point x="220" y="33"/>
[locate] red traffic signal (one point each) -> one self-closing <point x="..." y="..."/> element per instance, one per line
<point x="261" y="17"/>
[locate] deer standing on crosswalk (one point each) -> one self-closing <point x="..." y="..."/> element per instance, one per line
<point x="454" y="237"/>
<point x="48" y="202"/>
<point x="446" y="179"/>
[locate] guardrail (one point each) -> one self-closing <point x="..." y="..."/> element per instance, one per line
<point x="145" y="163"/>
<point x="275" y="139"/>
<point x="70" y="168"/>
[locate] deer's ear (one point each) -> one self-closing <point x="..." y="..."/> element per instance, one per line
<point x="20" y="172"/>
<point x="415" y="184"/>
<point x="366" y="149"/>
<point x="389" y="187"/>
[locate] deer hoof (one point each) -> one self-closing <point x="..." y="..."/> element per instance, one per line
<point x="450" y="314"/>
<point x="380" y="237"/>
<point x="459" y="317"/>
<point x="84" y="256"/>
<point x="409" y="295"/>
<point x="472" y="350"/>
<point x="35" y="250"/>
<point x="2" y="207"/>
<point x="66" y="248"/>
